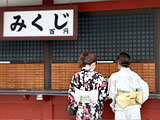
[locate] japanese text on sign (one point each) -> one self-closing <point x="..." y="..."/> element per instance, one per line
<point x="38" y="23"/>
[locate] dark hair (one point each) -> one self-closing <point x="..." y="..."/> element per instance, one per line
<point x="86" y="58"/>
<point x="124" y="59"/>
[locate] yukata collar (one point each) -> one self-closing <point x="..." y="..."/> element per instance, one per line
<point x="86" y="69"/>
<point x="125" y="69"/>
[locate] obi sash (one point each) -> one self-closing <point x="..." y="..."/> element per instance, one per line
<point x="86" y="96"/>
<point x="127" y="99"/>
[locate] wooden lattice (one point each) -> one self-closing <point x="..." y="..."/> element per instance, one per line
<point x="22" y="76"/>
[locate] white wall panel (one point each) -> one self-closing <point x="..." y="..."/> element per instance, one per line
<point x="77" y="1"/>
<point x="61" y="1"/>
<point x="3" y="3"/>
<point x="24" y="2"/>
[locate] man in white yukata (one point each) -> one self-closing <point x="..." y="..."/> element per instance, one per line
<point x="127" y="91"/>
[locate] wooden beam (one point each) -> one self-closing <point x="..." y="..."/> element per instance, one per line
<point x="48" y="2"/>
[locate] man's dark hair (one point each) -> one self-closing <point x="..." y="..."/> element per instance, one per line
<point x="124" y="59"/>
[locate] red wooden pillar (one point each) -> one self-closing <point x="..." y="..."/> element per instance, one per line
<point x="48" y="2"/>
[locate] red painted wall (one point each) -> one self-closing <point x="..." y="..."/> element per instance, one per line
<point x="16" y="108"/>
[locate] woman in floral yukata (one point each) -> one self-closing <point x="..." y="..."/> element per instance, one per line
<point x="88" y="89"/>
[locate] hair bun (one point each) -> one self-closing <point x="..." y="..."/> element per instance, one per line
<point x="85" y="54"/>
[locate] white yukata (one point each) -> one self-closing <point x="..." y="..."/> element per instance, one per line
<point x="127" y="81"/>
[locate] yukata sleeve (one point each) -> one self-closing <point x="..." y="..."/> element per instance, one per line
<point x="71" y="92"/>
<point x="144" y="88"/>
<point x="103" y="89"/>
<point x="112" y="91"/>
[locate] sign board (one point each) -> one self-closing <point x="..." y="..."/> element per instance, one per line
<point x="47" y="24"/>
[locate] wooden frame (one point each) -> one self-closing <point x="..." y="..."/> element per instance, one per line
<point x="74" y="37"/>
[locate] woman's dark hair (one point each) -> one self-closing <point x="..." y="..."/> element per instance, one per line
<point x="86" y="58"/>
<point x="124" y="59"/>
